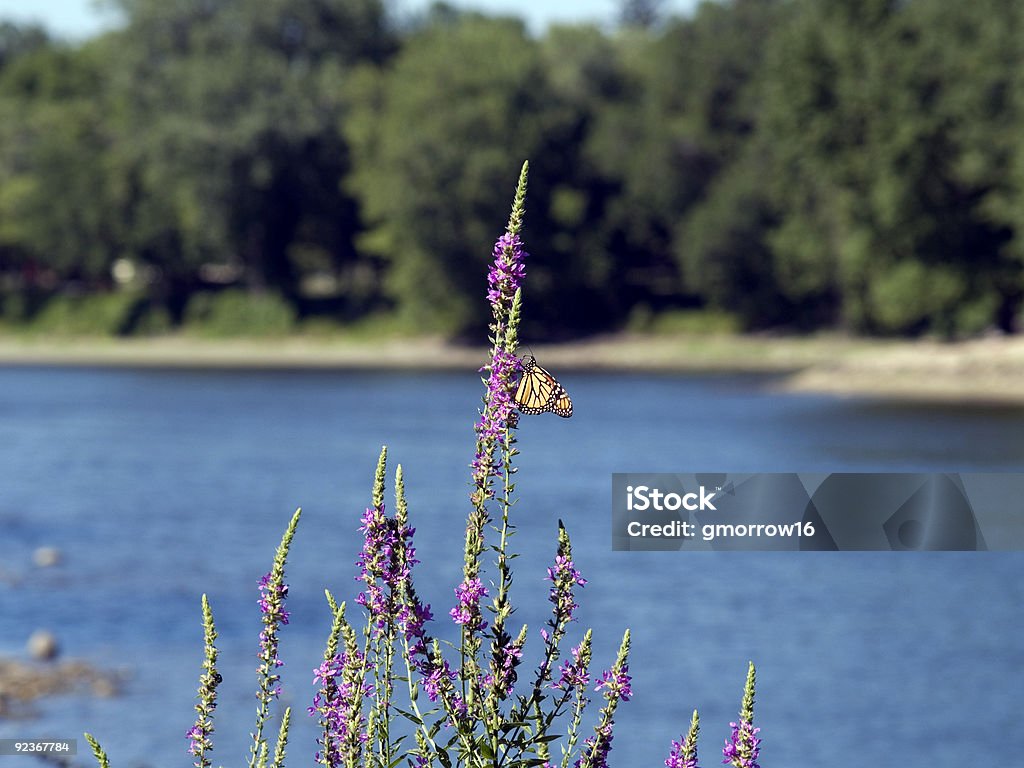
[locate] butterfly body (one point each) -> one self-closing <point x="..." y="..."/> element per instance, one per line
<point x="540" y="392"/>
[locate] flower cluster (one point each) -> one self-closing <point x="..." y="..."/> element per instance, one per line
<point x="563" y="575"/>
<point x="575" y="673"/>
<point x="506" y="273"/>
<point x="504" y="280"/>
<point x="199" y="738"/>
<point x="503" y="369"/>
<point x="506" y="659"/>
<point x="385" y="567"/>
<point x="339" y="704"/>
<point x="467" y="612"/>
<point x="616" y="682"/>
<point x="678" y="758"/>
<point x="596" y="748"/>
<point x="684" y="753"/>
<point x="385" y="564"/>
<point x="271" y="602"/>
<point x="742" y="749"/>
<point x="436" y="677"/>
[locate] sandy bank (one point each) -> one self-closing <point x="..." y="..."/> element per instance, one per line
<point x="982" y="371"/>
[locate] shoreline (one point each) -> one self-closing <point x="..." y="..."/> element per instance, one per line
<point x="987" y="371"/>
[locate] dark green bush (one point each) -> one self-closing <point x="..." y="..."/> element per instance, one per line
<point x="235" y="312"/>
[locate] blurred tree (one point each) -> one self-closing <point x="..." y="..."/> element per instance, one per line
<point x="437" y="139"/>
<point x="794" y="162"/>
<point x="868" y="113"/>
<point x="230" y="154"/>
<point x="682" y="111"/>
<point x="55" y="221"/>
<point x="18" y="39"/>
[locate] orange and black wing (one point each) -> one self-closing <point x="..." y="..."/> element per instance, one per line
<point x="539" y="391"/>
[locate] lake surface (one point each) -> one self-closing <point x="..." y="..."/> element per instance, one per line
<point x="158" y="486"/>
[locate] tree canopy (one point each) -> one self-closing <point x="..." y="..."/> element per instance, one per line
<point x="797" y="164"/>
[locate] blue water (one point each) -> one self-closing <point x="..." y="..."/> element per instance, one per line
<point x="160" y="486"/>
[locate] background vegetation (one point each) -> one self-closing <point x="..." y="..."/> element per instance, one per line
<point x="258" y="166"/>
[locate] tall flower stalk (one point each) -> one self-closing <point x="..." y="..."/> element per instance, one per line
<point x="684" y="753"/>
<point x="273" y="592"/>
<point x="743" y="747"/>
<point x="495" y="450"/>
<point x="199" y="735"/>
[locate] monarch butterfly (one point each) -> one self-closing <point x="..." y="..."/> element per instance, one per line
<point x="539" y="391"/>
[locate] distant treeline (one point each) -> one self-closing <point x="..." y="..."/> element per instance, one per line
<point x="250" y="164"/>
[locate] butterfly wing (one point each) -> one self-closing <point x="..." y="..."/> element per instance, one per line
<point x="539" y="391"/>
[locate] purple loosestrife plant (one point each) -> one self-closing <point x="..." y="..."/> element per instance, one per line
<point x="199" y="734"/>
<point x="684" y="753"/>
<point x="743" y="747"/>
<point x="273" y="592"/>
<point x="615" y="686"/>
<point x="476" y="711"/>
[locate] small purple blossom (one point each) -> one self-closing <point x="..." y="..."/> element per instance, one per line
<point x="271" y="602"/>
<point x="574" y="673"/>
<point x="272" y="599"/>
<point x="503" y="674"/>
<point x="596" y="748"/>
<point x="564" y="577"/>
<point x="743" y="747"/>
<point x="199" y="740"/>
<point x="507" y="271"/>
<point x="616" y="684"/>
<point x="679" y="757"/>
<point x="339" y="704"/>
<point x="385" y="564"/>
<point x="435" y="679"/>
<point x="467" y="612"/>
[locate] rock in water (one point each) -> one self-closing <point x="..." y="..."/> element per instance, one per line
<point x="46" y="557"/>
<point x="42" y="645"/>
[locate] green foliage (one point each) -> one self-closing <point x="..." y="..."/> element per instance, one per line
<point x="99" y="314"/>
<point x="16" y="41"/>
<point x="681" y="322"/>
<point x="433" y="137"/>
<point x="228" y="135"/>
<point x="887" y="125"/>
<point x="236" y="312"/>
<point x="796" y="163"/>
<point x="905" y="297"/>
<point x="53" y="197"/>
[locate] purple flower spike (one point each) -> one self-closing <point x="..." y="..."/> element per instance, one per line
<point x="506" y="273"/>
<point x="339" y="704"/>
<point x="743" y="747"/>
<point x="603" y="739"/>
<point x="564" y="577"/>
<point x="467" y="612"/>
<point x="616" y="685"/>
<point x="271" y="602"/>
<point x="573" y="673"/>
<point x="385" y="565"/>
<point x="678" y="758"/>
<point x="504" y="368"/>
